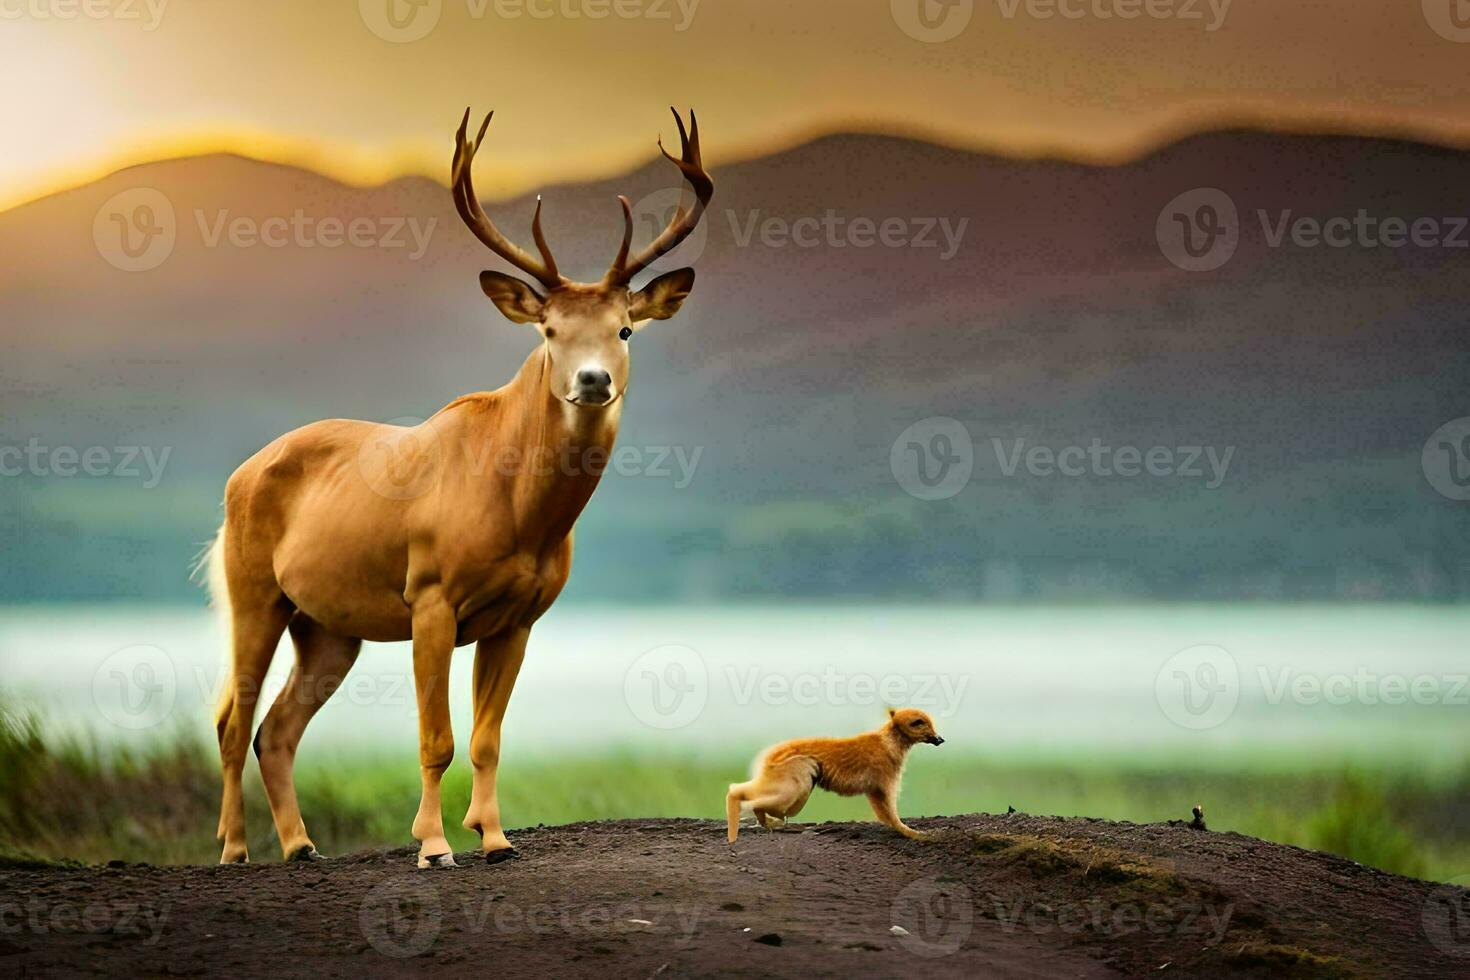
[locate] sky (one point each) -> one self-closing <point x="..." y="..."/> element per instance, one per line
<point x="367" y="90"/>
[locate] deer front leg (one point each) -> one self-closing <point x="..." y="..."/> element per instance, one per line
<point x="433" y="644"/>
<point x="497" y="662"/>
<point x="885" y="807"/>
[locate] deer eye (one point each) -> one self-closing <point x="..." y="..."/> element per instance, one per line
<point x="625" y="333"/>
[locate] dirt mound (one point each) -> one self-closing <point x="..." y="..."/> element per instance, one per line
<point x="993" y="896"/>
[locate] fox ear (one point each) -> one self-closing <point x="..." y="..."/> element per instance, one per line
<point x="892" y="712"/>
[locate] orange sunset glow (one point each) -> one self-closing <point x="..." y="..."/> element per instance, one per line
<point x="989" y="499"/>
<point x="366" y="91"/>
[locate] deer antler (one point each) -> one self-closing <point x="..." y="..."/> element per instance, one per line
<point x="684" y="222"/>
<point x="468" y="205"/>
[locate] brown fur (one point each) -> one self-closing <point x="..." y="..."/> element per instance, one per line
<point x="871" y="763"/>
<point x="454" y="531"/>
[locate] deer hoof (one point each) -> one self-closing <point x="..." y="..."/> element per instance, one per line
<point x="429" y="861"/>
<point x="504" y="854"/>
<point x="305" y="853"/>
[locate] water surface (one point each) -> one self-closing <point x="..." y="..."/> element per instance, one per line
<point x="1381" y="683"/>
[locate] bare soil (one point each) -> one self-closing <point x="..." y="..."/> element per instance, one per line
<point x="986" y="896"/>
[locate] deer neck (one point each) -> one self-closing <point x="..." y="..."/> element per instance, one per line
<point x="564" y="450"/>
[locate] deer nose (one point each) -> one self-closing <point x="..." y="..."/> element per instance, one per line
<point x="593" y="378"/>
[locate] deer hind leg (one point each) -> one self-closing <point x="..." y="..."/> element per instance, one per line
<point x="256" y="629"/>
<point x="322" y="661"/>
<point x="497" y="662"/>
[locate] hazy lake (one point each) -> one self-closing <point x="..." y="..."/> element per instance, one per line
<point x="1381" y="682"/>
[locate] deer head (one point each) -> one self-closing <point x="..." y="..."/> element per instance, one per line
<point x="585" y="326"/>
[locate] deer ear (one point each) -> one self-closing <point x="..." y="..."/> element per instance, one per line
<point x="661" y="298"/>
<point x="513" y="297"/>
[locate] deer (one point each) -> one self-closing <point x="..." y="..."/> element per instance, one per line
<point x="343" y="531"/>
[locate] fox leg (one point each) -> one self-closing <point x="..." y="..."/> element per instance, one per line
<point x="796" y="785"/>
<point x="788" y="788"/>
<point x="798" y="803"/>
<point x="769" y="808"/>
<point x="791" y="806"/>
<point x="777" y="793"/>
<point x="781" y="795"/>
<point x="886" y="809"/>
<point x="733" y="799"/>
<point x="765" y="800"/>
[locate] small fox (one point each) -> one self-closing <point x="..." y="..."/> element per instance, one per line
<point x="784" y="775"/>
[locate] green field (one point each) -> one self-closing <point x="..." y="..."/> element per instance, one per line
<point x="67" y="799"/>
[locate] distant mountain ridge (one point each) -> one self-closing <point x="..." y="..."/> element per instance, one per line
<point x="821" y="327"/>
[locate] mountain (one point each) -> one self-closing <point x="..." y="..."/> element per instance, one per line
<point x="847" y="289"/>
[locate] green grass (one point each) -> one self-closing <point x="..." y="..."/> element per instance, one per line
<point x="67" y="799"/>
